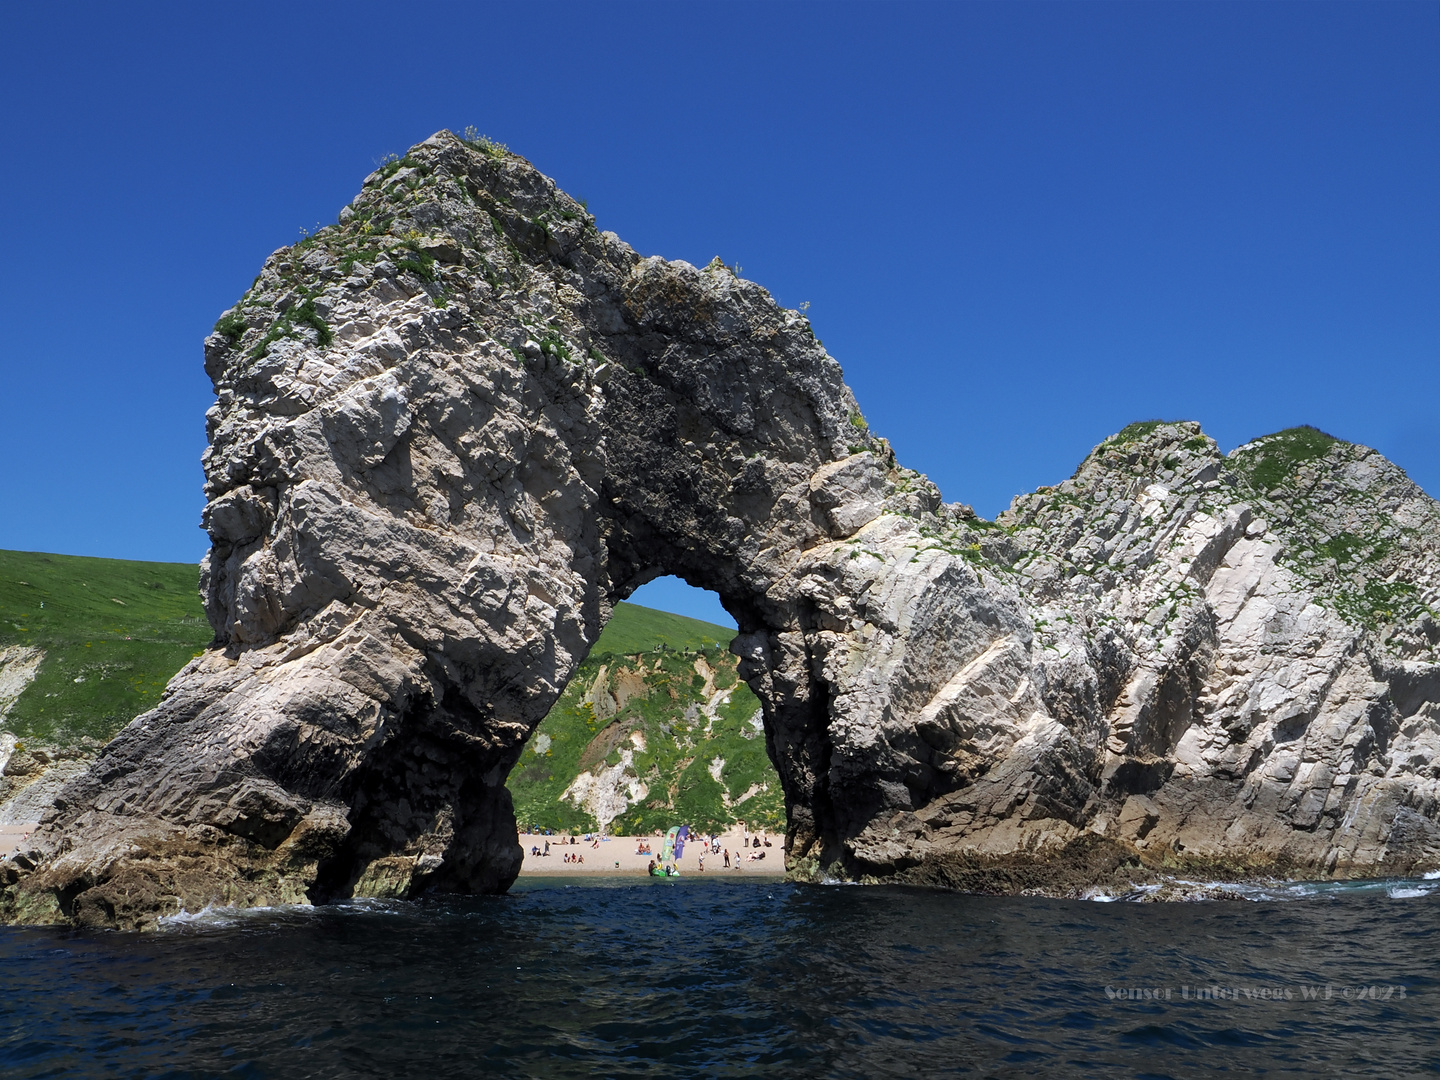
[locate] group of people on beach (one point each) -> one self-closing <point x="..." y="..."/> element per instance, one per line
<point x="535" y="848"/>
<point x="753" y="856"/>
<point x="750" y="849"/>
<point x="711" y="847"/>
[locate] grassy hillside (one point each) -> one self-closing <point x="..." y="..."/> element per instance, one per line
<point x="112" y="632"/>
<point x="667" y="731"/>
<point x="634" y="629"/>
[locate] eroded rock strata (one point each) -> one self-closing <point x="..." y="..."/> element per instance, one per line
<point x="454" y="429"/>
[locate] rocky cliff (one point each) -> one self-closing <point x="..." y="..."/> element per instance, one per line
<point x="453" y="430"/>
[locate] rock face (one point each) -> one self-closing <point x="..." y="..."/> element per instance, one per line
<point x="32" y="775"/>
<point x="453" y="430"/>
<point x="18" y="665"/>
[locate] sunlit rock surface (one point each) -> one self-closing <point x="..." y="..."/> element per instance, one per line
<point x="453" y="430"/>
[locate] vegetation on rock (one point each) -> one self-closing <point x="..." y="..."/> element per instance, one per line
<point x="1356" y="522"/>
<point x="1269" y="461"/>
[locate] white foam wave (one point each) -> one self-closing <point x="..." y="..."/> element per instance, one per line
<point x="1401" y="892"/>
<point x="221" y="917"/>
<point x="1185" y="890"/>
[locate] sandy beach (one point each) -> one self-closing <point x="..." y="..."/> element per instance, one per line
<point x="617" y="855"/>
<point x="12" y="836"/>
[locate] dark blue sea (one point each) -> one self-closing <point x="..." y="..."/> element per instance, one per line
<point x="692" y="978"/>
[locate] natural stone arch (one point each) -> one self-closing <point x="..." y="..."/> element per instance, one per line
<point x="452" y="431"/>
<point x="420" y="527"/>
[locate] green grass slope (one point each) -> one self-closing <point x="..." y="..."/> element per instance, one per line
<point x="635" y="629"/>
<point x="113" y="633"/>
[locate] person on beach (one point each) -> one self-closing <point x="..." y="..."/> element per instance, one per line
<point x="702" y="864"/>
<point x="651" y="868"/>
<point x="727" y="858"/>
<point x="547" y="847"/>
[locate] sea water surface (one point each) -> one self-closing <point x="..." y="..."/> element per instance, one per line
<point x="638" y="978"/>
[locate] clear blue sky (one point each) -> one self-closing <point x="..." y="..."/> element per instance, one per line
<point x="1020" y="226"/>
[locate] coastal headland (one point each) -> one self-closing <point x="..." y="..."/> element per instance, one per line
<point x="455" y="429"/>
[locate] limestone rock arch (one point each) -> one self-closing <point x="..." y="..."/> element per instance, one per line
<point x="442" y="450"/>
<point x="454" y="429"/>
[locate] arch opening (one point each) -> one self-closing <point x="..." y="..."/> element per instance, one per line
<point x="655" y="729"/>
